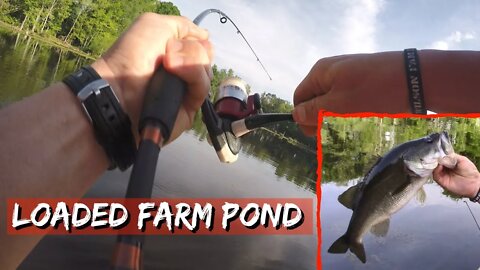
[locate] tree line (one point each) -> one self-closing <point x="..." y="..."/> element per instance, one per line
<point x="90" y="25"/>
<point x="93" y="25"/>
<point x="350" y="146"/>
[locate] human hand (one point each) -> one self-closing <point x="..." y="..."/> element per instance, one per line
<point x="351" y="83"/>
<point x="152" y="40"/>
<point x="463" y="179"/>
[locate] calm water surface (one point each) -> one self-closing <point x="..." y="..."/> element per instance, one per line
<point x="438" y="233"/>
<point x="433" y="231"/>
<point x="187" y="168"/>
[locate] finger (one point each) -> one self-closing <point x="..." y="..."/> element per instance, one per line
<point x="449" y="161"/>
<point x="187" y="59"/>
<point x="209" y="49"/>
<point x="180" y="26"/>
<point x="186" y="28"/>
<point x="306" y="113"/>
<point x="438" y="175"/>
<point x="318" y="81"/>
<point x="436" y="172"/>
<point x="309" y="130"/>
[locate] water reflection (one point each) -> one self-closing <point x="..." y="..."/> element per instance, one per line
<point x="433" y="231"/>
<point x="296" y="162"/>
<point x="26" y="66"/>
<point x="189" y="168"/>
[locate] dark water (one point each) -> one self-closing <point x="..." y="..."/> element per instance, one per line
<point x="187" y="168"/>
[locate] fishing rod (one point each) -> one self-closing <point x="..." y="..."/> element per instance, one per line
<point x="234" y="113"/>
<point x="223" y="19"/>
<point x="163" y="98"/>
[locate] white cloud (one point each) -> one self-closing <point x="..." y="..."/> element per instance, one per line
<point x="453" y="40"/>
<point x="360" y="24"/>
<point x="290" y="36"/>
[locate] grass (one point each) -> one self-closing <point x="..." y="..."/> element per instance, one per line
<point x="53" y="41"/>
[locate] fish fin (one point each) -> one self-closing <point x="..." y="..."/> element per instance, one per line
<point x="376" y="160"/>
<point x="339" y="246"/>
<point x="342" y="245"/>
<point x="381" y="229"/>
<point x="359" y="250"/>
<point x="421" y="196"/>
<point x="347" y="198"/>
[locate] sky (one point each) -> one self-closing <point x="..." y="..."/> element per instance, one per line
<point x="290" y="36"/>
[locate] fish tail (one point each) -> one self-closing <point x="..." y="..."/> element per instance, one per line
<point x="339" y="246"/>
<point x="342" y="245"/>
<point x="358" y="249"/>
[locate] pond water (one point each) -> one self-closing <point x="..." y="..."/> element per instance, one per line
<point x="436" y="232"/>
<point x="187" y="168"/>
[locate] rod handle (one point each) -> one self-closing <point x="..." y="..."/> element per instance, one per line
<point x="163" y="99"/>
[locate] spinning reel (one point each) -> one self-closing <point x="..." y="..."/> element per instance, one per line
<point x="233" y="114"/>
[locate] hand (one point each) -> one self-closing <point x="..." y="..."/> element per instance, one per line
<point x="463" y="179"/>
<point x="174" y="42"/>
<point x="351" y="83"/>
<point x="377" y="83"/>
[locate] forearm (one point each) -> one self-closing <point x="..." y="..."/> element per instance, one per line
<point x="451" y="80"/>
<point x="48" y="150"/>
<point x="48" y="136"/>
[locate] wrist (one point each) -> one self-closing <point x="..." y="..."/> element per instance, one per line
<point x="475" y="187"/>
<point x="448" y="80"/>
<point x="103" y="69"/>
<point x="101" y="100"/>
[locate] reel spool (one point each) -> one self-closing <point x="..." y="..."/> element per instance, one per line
<point x="232" y="103"/>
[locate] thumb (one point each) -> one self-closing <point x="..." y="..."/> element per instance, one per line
<point x="449" y="161"/>
<point x="306" y="113"/>
<point x="438" y="175"/>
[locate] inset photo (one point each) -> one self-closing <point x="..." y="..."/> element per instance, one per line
<point x="395" y="191"/>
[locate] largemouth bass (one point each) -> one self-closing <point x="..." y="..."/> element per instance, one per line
<point x="387" y="187"/>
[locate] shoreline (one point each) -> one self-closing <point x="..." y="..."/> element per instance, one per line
<point x="49" y="40"/>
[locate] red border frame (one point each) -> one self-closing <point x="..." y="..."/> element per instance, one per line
<point x="321" y="115"/>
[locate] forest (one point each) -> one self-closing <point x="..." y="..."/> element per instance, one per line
<point x="350" y="146"/>
<point x="88" y="28"/>
<point x="89" y="25"/>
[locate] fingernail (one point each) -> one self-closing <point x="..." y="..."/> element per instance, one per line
<point x="176" y="60"/>
<point x="299" y="114"/>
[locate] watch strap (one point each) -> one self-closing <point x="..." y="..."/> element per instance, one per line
<point x="81" y="78"/>
<point x="111" y="124"/>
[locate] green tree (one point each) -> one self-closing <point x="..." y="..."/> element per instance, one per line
<point x="166" y="8"/>
<point x="90" y="25"/>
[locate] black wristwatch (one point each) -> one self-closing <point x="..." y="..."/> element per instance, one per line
<point x="111" y="124"/>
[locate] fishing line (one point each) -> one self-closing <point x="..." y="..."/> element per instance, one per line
<point x="471" y="213"/>
<point x="163" y="98"/>
<point x="223" y="19"/>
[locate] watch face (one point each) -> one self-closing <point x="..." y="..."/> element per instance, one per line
<point x="234" y="143"/>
